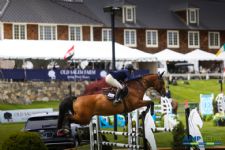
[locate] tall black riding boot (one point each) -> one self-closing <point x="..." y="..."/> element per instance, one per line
<point x="118" y="96"/>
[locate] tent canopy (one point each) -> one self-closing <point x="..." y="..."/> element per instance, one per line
<point x="169" y="55"/>
<point x="200" y="55"/>
<point x="83" y="50"/>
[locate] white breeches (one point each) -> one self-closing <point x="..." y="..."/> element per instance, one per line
<point x="113" y="82"/>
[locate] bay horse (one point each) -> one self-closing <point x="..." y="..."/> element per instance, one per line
<point x="86" y="106"/>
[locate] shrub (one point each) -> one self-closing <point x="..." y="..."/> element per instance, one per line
<point x="24" y="141"/>
<point x="207" y="117"/>
<point x="178" y="136"/>
<point x="219" y="119"/>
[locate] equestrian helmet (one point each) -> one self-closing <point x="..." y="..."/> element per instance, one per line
<point x="129" y="67"/>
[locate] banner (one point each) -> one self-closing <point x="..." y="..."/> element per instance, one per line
<point x="206" y="104"/>
<point x="57" y="74"/>
<point x="22" y="115"/>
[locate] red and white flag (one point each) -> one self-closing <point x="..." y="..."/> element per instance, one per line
<point x="69" y="54"/>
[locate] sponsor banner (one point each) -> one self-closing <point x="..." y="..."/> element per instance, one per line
<point x="206" y="104"/>
<point x="21" y="115"/>
<point x="58" y="74"/>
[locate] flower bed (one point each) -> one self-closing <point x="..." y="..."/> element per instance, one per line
<point x="219" y="119"/>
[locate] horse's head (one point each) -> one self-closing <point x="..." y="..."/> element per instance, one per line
<point x="156" y="82"/>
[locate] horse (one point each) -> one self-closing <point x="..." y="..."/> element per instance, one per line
<point x="86" y="106"/>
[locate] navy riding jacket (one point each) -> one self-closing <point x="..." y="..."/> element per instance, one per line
<point x="121" y="75"/>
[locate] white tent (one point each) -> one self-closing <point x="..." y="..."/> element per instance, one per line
<point x="169" y="55"/>
<point x="84" y="50"/>
<point x="199" y="55"/>
<point x="221" y="56"/>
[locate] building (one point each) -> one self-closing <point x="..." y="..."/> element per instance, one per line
<point x="147" y="25"/>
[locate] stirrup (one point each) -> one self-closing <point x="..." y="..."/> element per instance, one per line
<point x="116" y="101"/>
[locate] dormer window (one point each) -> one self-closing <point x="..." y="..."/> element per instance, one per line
<point x="193" y="16"/>
<point x="129" y="14"/>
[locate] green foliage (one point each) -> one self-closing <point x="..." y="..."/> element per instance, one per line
<point x="24" y="141"/>
<point x="178" y="136"/>
<point x="219" y="119"/>
<point x="207" y="117"/>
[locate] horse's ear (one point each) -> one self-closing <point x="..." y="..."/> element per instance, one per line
<point x="161" y="74"/>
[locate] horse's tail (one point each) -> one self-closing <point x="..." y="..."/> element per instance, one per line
<point x="68" y="102"/>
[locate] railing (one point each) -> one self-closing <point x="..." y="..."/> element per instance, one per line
<point x="189" y="76"/>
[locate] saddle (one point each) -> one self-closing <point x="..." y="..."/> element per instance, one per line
<point x="110" y="92"/>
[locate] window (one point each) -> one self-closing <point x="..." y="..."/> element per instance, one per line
<point x="193" y="39"/>
<point x="47" y="32"/>
<point x="214" y="40"/>
<point x="193" y="15"/>
<point x="129" y="14"/>
<point x="173" y="39"/>
<point x="130" y="38"/>
<point x="106" y="35"/>
<point x="75" y="33"/>
<point x="152" y="38"/>
<point x="19" y="31"/>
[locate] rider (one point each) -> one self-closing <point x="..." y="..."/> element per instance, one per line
<point x="115" y="77"/>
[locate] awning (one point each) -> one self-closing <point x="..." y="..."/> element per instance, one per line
<point x="84" y="50"/>
<point x="169" y="55"/>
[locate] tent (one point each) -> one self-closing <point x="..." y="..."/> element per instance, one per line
<point x="84" y="50"/>
<point x="169" y="55"/>
<point x="199" y="55"/>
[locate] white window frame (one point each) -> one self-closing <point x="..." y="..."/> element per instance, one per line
<point x="214" y="46"/>
<point x="198" y="38"/>
<point x="129" y="14"/>
<point x="106" y="34"/>
<point x="193" y="15"/>
<point x="152" y="38"/>
<point x="75" y="33"/>
<point x="20" y="32"/>
<point x="130" y="43"/>
<point x="53" y="27"/>
<point x="173" y="45"/>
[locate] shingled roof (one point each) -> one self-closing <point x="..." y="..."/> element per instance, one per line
<point x="158" y="14"/>
<point x="45" y="11"/>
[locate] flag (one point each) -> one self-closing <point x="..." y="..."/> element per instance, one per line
<point x="69" y="54"/>
<point x="221" y="50"/>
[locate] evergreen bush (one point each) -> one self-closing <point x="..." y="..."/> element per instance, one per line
<point x="24" y="141"/>
<point x="178" y="136"/>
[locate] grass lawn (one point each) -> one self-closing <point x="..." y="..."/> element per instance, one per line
<point x="35" y="104"/>
<point x="180" y="93"/>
